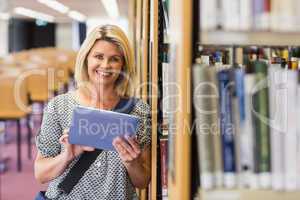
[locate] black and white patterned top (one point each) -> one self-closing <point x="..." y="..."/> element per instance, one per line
<point x="107" y="177"/>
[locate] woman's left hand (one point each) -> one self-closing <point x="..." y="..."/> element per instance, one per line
<point x="128" y="149"/>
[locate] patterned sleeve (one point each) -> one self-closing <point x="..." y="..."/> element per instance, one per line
<point x="144" y="129"/>
<point x="47" y="140"/>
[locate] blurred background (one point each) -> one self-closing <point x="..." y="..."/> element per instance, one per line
<point x="38" y="44"/>
<point x="176" y="44"/>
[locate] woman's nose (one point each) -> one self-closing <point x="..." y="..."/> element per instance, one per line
<point x="104" y="63"/>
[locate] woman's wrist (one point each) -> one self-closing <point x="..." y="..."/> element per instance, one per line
<point x="132" y="164"/>
<point x="67" y="156"/>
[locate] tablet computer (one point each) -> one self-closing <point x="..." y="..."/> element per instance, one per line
<point x="97" y="128"/>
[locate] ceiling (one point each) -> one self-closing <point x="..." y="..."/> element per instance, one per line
<point x="89" y="8"/>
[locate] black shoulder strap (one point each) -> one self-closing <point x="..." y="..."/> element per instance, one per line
<point x="87" y="158"/>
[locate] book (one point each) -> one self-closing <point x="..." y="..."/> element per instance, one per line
<point x="165" y="6"/>
<point x="249" y="15"/>
<point x="290" y="136"/>
<point x="277" y="82"/>
<point x="248" y="136"/>
<point x="284" y="11"/>
<point x="164" y="165"/>
<point x="261" y="122"/>
<point x="205" y="106"/>
<point x="98" y="128"/>
<point x="261" y="13"/>
<point x="208" y="14"/>
<point x="230" y="15"/>
<point x="166" y="85"/>
<point x="246" y="18"/>
<point x="298" y="134"/>
<point x="258" y="112"/>
<point x="238" y="113"/>
<point x="227" y="128"/>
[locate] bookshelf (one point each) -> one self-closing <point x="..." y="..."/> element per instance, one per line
<point x="250" y="38"/>
<point x="153" y="40"/>
<point x="139" y="34"/>
<point x="145" y="47"/>
<point x="184" y="38"/>
<point x="244" y="194"/>
<point x="181" y="60"/>
<point x="182" y="41"/>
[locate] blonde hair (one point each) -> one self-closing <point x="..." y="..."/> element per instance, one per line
<point x="114" y="34"/>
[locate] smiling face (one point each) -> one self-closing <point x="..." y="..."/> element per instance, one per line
<point x="104" y="63"/>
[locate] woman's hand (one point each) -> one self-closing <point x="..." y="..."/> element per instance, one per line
<point x="48" y="168"/>
<point x="128" y="149"/>
<point x="71" y="151"/>
<point x="135" y="160"/>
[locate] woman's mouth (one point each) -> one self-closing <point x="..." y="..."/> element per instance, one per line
<point x="104" y="73"/>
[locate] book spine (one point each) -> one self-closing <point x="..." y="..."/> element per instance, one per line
<point x="164" y="168"/>
<point x="226" y="124"/>
<point x="165" y="92"/>
<point x="290" y="157"/>
<point x="275" y="15"/>
<point x="277" y="79"/>
<point x="204" y="113"/>
<point x="208" y="15"/>
<point x="248" y="136"/>
<point x="165" y="5"/>
<point x="245" y="15"/>
<point x="236" y="134"/>
<point x="238" y="117"/>
<point x="239" y="79"/>
<point x="266" y="15"/>
<point x="231" y="14"/>
<point x="165" y="103"/>
<point x="262" y="129"/>
<point x="298" y="135"/>
<point x="258" y="9"/>
<point x="215" y="131"/>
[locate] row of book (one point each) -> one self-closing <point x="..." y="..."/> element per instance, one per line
<point x="245" y="15"/>
<point x="217" y="55"/>
<point x="250" y="144"/>
<point x="246" y="126"/>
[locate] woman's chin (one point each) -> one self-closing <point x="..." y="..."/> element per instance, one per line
<point x="102" y="82"/>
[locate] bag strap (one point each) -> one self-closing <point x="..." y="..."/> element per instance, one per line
<point x="88" y="158"/>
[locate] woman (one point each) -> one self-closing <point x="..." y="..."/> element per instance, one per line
<point x="103" y="72"/>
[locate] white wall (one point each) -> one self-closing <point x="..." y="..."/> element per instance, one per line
<point x="66" y="33"/>
<point x="3" y="37"/>
<point x="63" y="35"/>
<point x="122" y="23"/>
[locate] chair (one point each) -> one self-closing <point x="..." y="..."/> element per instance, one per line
<point x="14" y="105"/>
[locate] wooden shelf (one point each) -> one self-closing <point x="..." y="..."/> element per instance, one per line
<point x="181" y="59"/>
<point x="154" y="93"/>
<point x="248" y="194"/>
<point x="250" y="38"/>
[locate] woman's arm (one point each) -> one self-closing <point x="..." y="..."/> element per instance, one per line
<point x="140" y="171"/>
<point x="48" y="168"/>
<point x="136" y="161"/>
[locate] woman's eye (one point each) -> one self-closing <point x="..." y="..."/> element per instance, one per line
<point x="99" y="57"/>
<point x="115" y="59"/>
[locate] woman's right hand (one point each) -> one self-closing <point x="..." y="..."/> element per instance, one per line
<point x="71" y="151"/>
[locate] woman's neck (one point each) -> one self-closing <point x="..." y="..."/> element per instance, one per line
<point x="101" y="97"/>
<point x="104" y="93"/>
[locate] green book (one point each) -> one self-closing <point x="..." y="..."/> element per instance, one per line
<point x="261" y="122"/>
<point x="205" y="102"/>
